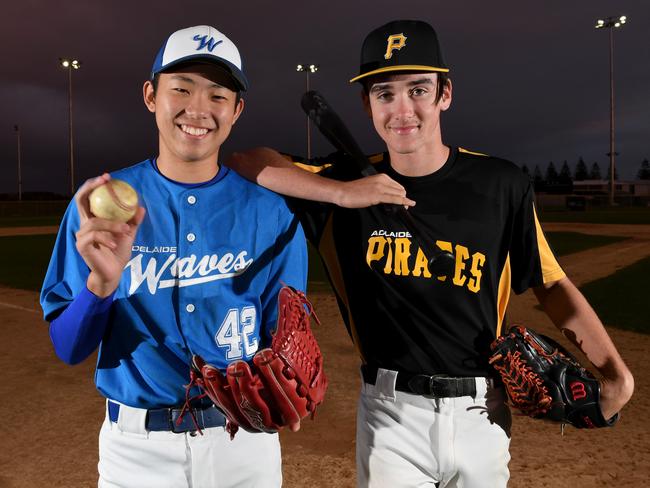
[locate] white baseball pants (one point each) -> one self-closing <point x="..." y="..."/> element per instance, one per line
<point x="406" y="440"/>
<point x="130" y="456"/>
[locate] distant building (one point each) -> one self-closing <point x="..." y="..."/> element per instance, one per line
<point x="640" y="188"/>
<point x="595" y="193"/>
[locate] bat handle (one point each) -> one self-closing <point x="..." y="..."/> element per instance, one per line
<point x="441" y="263"/>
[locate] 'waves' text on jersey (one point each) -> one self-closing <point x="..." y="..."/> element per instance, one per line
<point x="165" y="272"/>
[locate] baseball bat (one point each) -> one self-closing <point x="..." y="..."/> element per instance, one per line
<point x="336" y="132"/>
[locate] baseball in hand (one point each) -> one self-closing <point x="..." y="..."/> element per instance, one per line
<point x="114" y="200"/>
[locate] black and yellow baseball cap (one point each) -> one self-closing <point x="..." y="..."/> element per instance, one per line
<point x="401" y="45"/>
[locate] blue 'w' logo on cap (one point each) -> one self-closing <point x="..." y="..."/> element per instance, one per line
<point x="205" y="42"/>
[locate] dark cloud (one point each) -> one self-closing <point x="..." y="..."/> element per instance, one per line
<point x="530" y="80"/>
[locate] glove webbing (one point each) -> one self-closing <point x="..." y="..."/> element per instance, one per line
<point x="526" y="388"/>
<point x="289" y="343"/>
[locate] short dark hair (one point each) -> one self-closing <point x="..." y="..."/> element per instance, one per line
<point x="442" y="80"/>
<point x="156" y="77"/>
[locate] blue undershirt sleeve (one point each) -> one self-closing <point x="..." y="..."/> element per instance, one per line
<point x="77" y="332"/>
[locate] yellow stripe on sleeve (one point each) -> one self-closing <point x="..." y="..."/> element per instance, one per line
<point x="505" y="283"/>
<point x="376" y="158"/>
<point x="460" y="149"/>
<point x="551" y="270"/>
<point x="311" y="168"/>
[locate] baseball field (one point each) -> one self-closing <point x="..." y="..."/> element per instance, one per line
<point x="50" y="414"/>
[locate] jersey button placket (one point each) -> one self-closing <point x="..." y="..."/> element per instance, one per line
<point x="190" y="244"/>
<point x="190" y="214"/>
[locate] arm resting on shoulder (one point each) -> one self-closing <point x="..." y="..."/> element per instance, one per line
<point x="271" y="170"/>
<point x="572" y="314"/>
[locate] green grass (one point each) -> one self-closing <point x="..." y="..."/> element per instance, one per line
<point x="609" y="215"/>
<point x="24" y="260"/>
<point x="564" y="243"/>
<point x="621" y="299"/>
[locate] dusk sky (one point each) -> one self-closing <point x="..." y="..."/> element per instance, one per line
<point x="531" y="79"/>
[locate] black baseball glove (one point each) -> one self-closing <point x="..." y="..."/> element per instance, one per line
<point x="544" y="380"/>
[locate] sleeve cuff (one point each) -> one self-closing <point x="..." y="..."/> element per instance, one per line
<point x="87" y="299"/>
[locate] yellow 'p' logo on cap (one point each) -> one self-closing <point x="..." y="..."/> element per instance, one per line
<point x="395" y="41"/>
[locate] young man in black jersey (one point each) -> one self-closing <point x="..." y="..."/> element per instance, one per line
<point x="429" y="411"/>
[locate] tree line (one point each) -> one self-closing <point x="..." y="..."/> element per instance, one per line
<point x="565" y="177"/>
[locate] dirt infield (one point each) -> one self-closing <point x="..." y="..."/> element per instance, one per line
<point x="50" y="413"/>
<point x="28" y="231"/>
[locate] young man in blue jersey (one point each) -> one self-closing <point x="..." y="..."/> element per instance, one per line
<point x="430" y="411"/>
<point x="196" y="271"/>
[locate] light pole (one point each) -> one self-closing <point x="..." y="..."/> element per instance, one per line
<point x="20" y="179"/>
<point x="70" y="64"/>
<point x="307" y="69"/>
<point x="611" y="23"/>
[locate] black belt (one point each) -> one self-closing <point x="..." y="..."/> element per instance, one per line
<point x="440" y="386"/>
<point x="165" y="419"/>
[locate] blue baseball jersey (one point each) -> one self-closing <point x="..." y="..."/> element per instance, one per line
<point x="206" y="267"/>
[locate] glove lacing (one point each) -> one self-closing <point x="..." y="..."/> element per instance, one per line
<point x="188" y="400"/>
<point x="523" y="384"/>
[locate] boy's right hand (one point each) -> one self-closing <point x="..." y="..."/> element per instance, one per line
<point x="372" y="190"/>
<point x="104" y="245"/>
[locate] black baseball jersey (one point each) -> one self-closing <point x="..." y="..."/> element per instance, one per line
<point x="399" y="316"/>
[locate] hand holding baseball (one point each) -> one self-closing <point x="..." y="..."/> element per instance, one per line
<point x="105" y="245"/>
<point x="114" y="200"/>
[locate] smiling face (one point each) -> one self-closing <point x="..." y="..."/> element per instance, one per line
<point x="195" y="108"/>
<point x="406" y="114"/>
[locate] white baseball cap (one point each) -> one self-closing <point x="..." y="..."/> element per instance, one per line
<point x="203" y="44"/>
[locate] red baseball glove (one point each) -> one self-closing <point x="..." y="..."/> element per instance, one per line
<point x="285" y="383"/>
